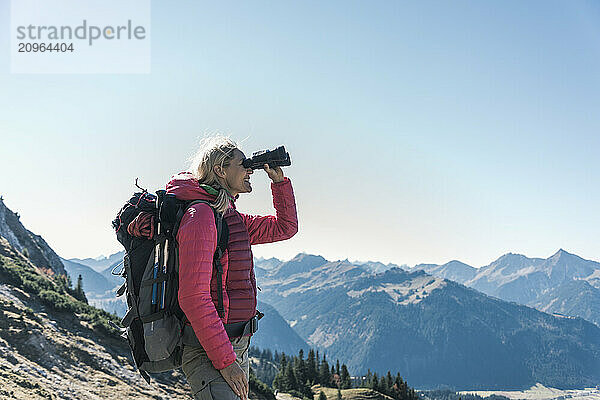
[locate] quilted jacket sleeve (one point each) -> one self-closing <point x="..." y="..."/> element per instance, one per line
<point x="197" y="237"/>
<point x="283" y="225"/>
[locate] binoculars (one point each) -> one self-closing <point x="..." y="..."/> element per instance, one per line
<point x="275" y="158"/>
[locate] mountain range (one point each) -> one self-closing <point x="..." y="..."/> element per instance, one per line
<point x="100" y="264"/>
<point x="563" y="283"/>
<point x="436" y="332"/>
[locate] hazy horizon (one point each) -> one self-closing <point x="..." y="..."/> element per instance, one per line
<point x="352" y="261"/>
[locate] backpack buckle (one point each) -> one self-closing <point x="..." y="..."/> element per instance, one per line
<point x="254" y="324"/>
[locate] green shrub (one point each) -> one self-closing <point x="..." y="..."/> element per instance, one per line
<point x="55" y="293"/>
<point x="60" y="302"/>
<point x="23" y="276"/>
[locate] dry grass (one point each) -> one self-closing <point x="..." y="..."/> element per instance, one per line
<point x="349" y="394"/>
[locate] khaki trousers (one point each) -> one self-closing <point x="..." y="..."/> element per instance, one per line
<point x="206" y="381"/>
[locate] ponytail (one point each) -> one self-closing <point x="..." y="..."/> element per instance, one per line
<point x="216" y="150"/>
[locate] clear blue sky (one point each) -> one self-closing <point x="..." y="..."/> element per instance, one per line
<point x="419" y="131"/>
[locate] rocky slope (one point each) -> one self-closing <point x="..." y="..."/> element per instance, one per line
<point x="576" y="297"/>
<point x="49" y="354"/>
<point x="26" y="242"/>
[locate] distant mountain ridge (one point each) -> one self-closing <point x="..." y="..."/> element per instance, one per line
<point x="507" y="276"/>
<point x="453" y="270"/>
<point x="537" y="282"/>
<point x="267" y="263"/>
<point x="100" y="284"/>
<point x="94" y="283"/>
<point x="531" y="281"/>
<point x="376" y="266"/>
<point x="100" y="287"/>
<point x="301" y="263"/>
<point x="101" y="263"/>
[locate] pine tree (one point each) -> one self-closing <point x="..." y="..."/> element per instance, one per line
<point x="375" y="382"/>
<point x="396" y="393"/>
<point x="346" y="383"/>
<point x="79" y="293"/>
<point x="324" y="373"/>
<point x="300" y="369"/>
<point x="334" y="379"/>
<point x="405" y="390"/>
<point x="301" y="373"/>
<point x="280" y="382"/>
<point x="290" y="378"/>
<point x="337" y="367"/>
<point x="413" y="395"/>
<point x="79" y="287"/>
<point x="398" y="381"/>
<point x="311" y="367"/>
<point x="368" y="379"/>
<point x="389" y="382"/>
<point x="277" y="357"/>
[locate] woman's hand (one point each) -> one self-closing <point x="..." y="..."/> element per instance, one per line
<point x="276" y="174"/>
<point x="236" y="379"/>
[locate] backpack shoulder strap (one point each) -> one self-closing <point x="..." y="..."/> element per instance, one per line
<point x="222" y="234"/>
<point x="217" y="264"/>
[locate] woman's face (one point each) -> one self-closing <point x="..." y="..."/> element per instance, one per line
<point x="237" y="178"/>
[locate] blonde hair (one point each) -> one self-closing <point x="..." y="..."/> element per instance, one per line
<point x="214" y="150"/>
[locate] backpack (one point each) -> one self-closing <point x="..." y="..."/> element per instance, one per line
<point x="154" y="324"/>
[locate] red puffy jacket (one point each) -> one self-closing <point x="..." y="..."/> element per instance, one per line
<point x="197" y="237"/>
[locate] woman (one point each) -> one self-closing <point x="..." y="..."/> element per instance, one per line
<point x="219" y="369"/>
